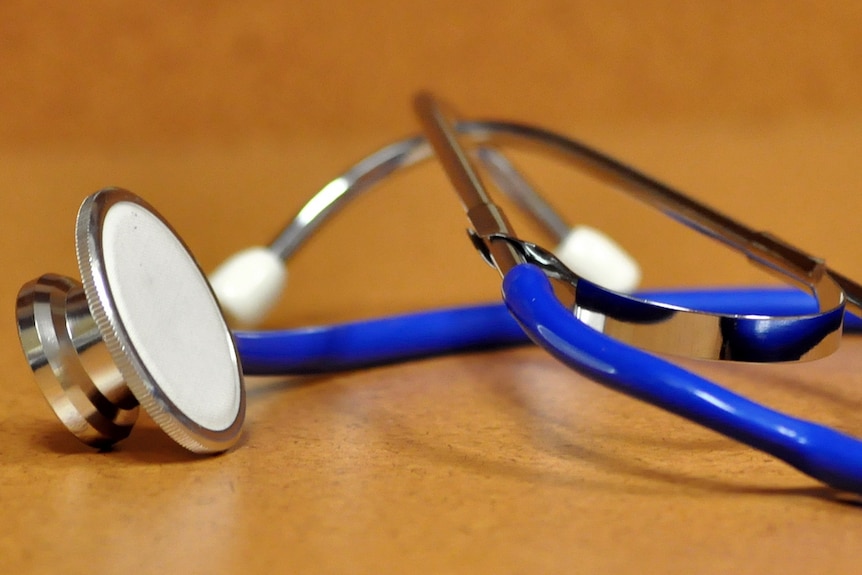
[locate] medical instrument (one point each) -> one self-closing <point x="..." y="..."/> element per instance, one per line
<point x="98" y="401"/>
<point x="541" y="294"/>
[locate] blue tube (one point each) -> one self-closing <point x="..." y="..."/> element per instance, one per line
<point x="378" y="341"/>
<point x="412" y="336"/>
<point x="820" y="452"/>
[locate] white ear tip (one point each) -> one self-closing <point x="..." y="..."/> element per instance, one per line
<point x="248" y="285"/>
<point x="594" y="256"/>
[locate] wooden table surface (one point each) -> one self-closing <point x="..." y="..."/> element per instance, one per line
<point x="228" y="117"/>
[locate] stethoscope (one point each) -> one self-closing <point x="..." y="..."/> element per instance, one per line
<point x="144" y="326"/>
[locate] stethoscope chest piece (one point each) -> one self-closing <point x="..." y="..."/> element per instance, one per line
<point x="142" y="328"/>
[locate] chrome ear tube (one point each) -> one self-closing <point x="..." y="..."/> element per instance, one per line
<point x="249" y="283"/>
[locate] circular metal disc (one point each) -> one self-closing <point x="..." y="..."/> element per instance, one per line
<point x="160" y="321"/>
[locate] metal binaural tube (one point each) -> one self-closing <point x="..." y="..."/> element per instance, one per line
<point x="763" y="249"/>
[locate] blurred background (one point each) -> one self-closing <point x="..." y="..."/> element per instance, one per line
<point x="227" y="116"/>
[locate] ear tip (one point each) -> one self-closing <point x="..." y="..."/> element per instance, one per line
<point x="593" y="255"/>
<point x="248" y="285"/>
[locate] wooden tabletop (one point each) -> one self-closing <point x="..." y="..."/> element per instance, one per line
<point x="227" y="118"/>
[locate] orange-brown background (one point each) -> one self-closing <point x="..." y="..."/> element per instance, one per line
<point x="226" y="116"/>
